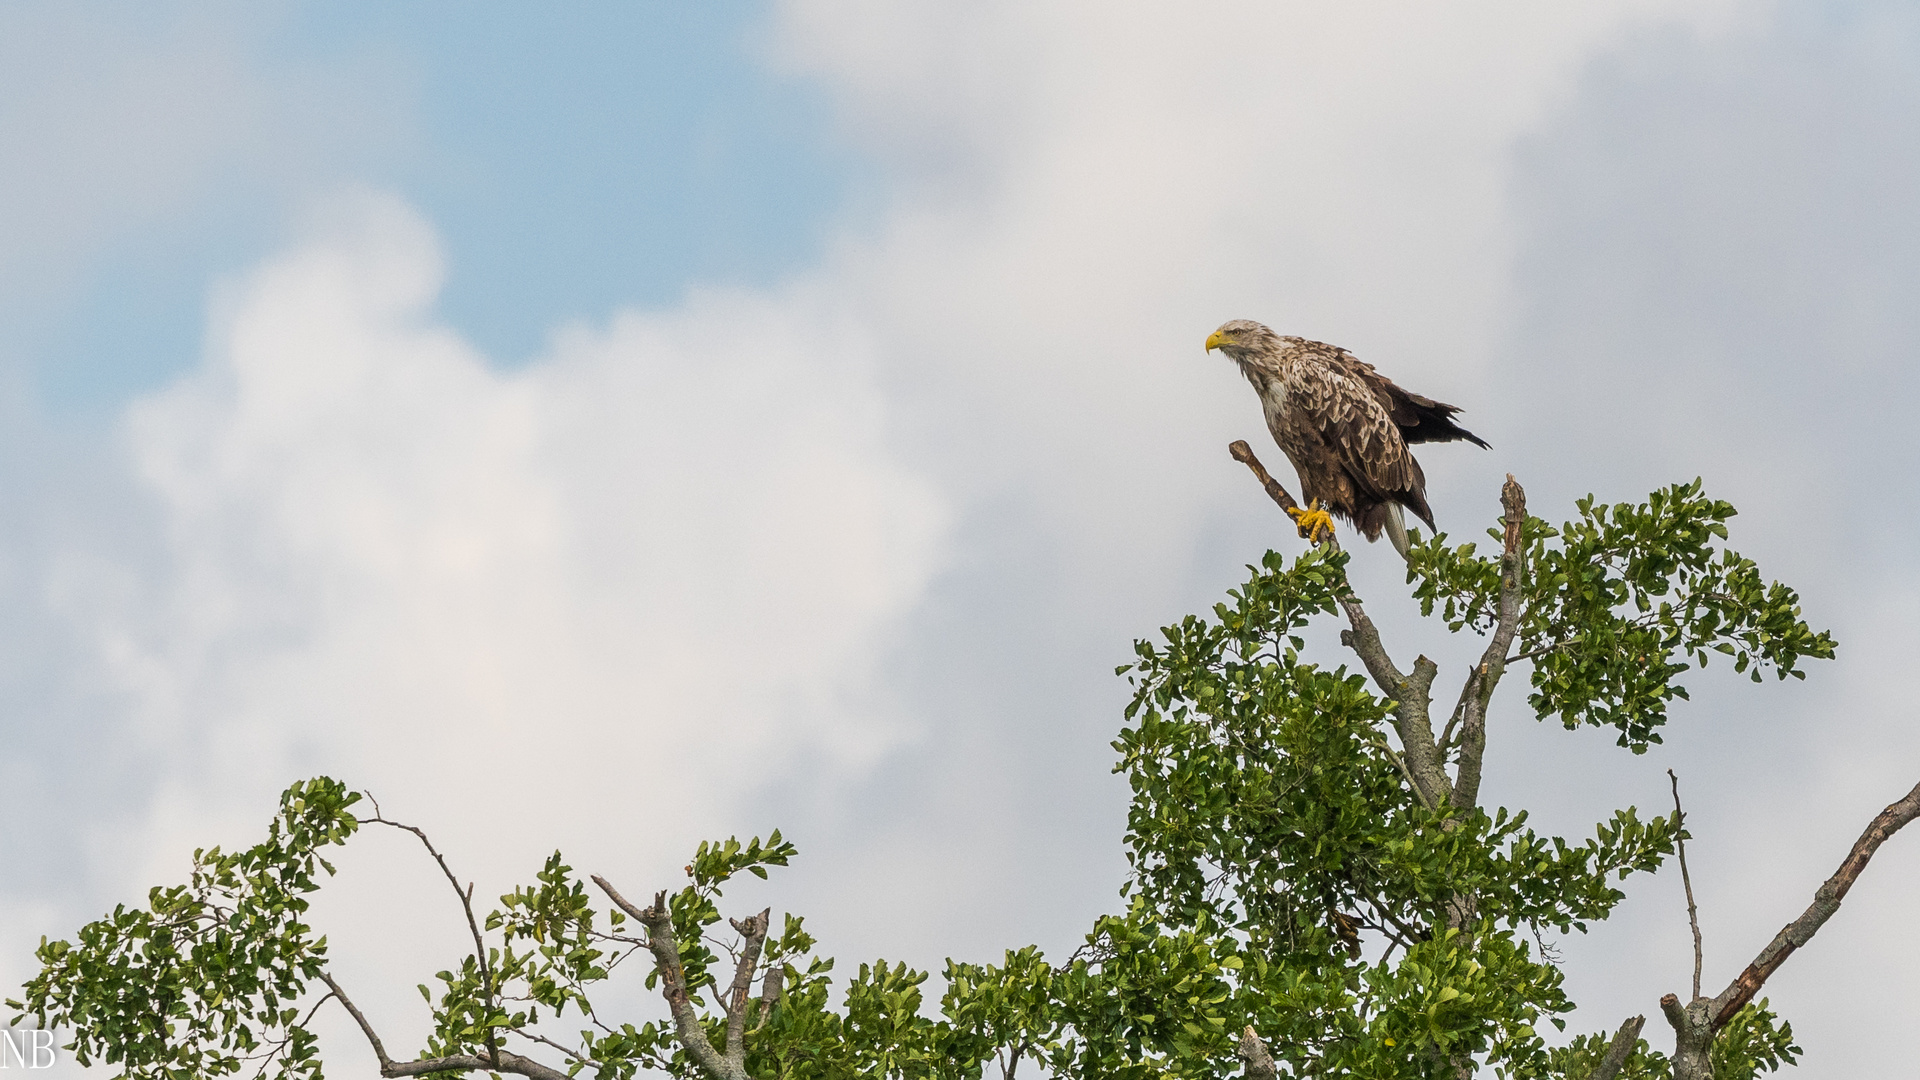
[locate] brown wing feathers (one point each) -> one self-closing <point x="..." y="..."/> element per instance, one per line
<point x="1420" y="419"/>
<point x="1369" y="447"/>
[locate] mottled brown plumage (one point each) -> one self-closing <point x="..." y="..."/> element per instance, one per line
<point x="1344" y="426"/>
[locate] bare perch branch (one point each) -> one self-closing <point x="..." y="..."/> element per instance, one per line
<point x="673" y="982"/>
<point x="1686" y="880"/>
<point x="1409" y="693"/>
<point x="637" y="914"/>
<point x="1619" y="1049"/>
<point x="1478" y="691"/>
<point x="1243" y="454"/>
<point x="1826" y="901"/>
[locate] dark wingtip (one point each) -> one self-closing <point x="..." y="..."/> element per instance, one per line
<point x="1432" y="421"/>
<point x="1459" y="432"/>
<point x="1444" y="431"/>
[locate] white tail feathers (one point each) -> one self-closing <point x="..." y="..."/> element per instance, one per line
<point x="1397" y="528"/>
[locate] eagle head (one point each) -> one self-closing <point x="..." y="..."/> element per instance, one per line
<point x="1242" y="337"/>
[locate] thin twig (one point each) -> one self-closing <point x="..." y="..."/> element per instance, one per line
<point x="1543" y="650"/>
<point x="1408" y="934"/>
<point x="279" y="1046"/>
<point x="500" y="1061"/>
<point x="1412" y="785"/>
<point x="473" y="925"/>
<point x="599" y="936"/>
<point x="570" y="1052"/>
<point x="1693" y="913"/>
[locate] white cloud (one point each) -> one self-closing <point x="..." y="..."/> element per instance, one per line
<point x="620" y="585"/>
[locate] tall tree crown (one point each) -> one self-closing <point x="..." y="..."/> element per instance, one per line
<point x="1315" y="887"/>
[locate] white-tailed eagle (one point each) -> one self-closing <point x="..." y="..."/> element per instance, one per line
<point x="1344" y="426"/>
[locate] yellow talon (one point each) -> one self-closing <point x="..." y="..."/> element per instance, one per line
<point x="1312" y="521"/>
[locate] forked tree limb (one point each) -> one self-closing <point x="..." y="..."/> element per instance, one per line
<point x="673" y="982"/>
<point x="1696" y="1023"/>
<point x="1826" y="901"/>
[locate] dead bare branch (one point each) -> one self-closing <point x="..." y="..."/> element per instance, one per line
<point x="1696" y="1023"/>
<point x="1826" y="901"/>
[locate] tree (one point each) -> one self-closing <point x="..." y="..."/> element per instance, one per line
<point x="1315" y="887"/>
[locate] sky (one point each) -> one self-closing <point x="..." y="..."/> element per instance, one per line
<point x="612" y="429"/>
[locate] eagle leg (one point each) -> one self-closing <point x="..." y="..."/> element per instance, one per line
<point x="1312" y="521"/>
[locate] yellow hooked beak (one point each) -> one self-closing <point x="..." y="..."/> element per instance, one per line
<point x="1217" y="339"/>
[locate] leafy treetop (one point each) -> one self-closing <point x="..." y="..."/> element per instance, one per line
<point x="1311" y="889"/>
